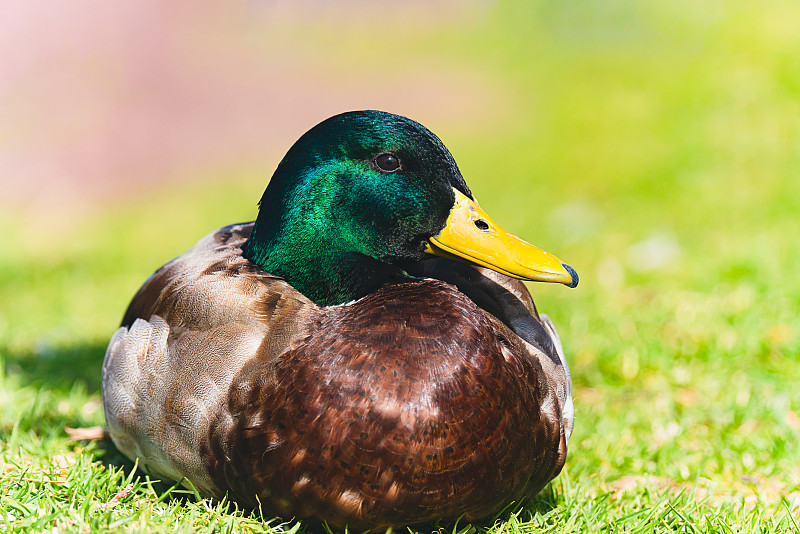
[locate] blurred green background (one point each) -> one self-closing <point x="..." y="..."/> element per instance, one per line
<point x="654" y="146"/>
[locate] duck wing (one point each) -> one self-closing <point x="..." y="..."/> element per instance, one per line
<point x="187" y="333"/>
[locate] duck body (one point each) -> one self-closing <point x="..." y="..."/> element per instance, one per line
<point x="441" y="393"/>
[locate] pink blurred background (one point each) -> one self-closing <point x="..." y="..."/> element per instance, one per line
<point x="99" y="100"/>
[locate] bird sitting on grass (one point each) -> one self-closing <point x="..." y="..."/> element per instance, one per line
<point x="363" y="354"/>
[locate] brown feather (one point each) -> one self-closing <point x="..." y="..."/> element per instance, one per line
<point x="424" y="400"/>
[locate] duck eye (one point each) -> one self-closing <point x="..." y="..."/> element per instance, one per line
<point x="387" y="162"/>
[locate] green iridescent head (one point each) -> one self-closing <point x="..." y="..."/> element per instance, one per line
<point x="357" y="198"/>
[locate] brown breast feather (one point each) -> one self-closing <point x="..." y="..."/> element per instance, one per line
<point x="409" y="405"/>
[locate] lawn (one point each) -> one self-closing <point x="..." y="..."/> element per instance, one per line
<point x="654" y="147"/>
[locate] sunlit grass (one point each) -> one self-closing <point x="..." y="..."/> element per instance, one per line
<point x="652" y="146"/>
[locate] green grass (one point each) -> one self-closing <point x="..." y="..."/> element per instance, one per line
<point x="653" y="146"/>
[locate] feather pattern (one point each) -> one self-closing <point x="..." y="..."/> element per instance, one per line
<point x="444" y="396"/>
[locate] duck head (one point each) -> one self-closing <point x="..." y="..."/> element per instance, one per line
<point x="365" y="193"/>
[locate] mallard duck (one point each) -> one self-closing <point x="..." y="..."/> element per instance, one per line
<point x="362" y="354"/>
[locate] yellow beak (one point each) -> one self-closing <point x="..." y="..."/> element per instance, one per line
<point x="471" y="236"/>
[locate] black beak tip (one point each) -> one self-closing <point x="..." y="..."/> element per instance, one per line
<point x="572" y="273"/>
